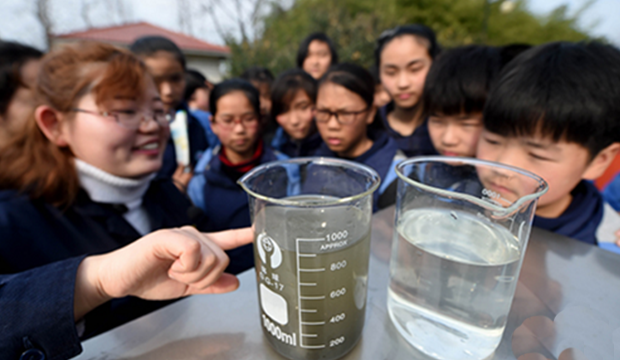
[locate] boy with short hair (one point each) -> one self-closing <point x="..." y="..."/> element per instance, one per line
<point x="555" y="111"/>
<point x="455" y="91"/>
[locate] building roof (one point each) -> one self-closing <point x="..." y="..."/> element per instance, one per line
<point x="126" y="34"/>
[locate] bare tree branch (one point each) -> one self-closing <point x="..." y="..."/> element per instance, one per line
<point x="185" y="16"/>
<point x="246" y="14"/>
<point x="43" y="15"/>
<point x="240" y="22"/>
<point x="120" y="9"/>
<point x="115" y="10"/>
<point x="85" y="11"/>
<point x="255" y="12"/>
<point x="223" y="9"/>
<point x="209" y="10"/>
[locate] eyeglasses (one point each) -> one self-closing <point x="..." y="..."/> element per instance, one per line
<point x="133" y="119"/>
<point x="229" y="123"/>
<point x="343" y="117"/>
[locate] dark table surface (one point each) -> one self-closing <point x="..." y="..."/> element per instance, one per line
<point x="566" y="306"/>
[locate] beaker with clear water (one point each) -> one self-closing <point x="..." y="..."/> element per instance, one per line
<point x="311" y="218"/>
<point x="461" y="230"/>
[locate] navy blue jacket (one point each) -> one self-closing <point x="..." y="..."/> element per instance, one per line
<point x="34" y="233"/>
<point x="612" y="193"/>
<point x="306" y="147"/>
<point x="582" y="217"/>
<point x="198" y="144"/>
<point x="383" y="156"/>
<point x="416" y="144"/>
<point x="224" y="202"/>
<point x="36" y="312"/>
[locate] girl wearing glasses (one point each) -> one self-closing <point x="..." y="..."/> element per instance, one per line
<point x="345" y="112"/>
<point x="403" y="56"/>
<point x="235" y="119"/>
<point x="293" y="98"/>
<point x="80" y="177"/>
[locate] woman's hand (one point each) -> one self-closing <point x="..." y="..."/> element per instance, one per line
<point x="165" y="264"/>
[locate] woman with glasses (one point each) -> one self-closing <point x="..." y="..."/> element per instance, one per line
<point x="403" y="57"/>
<point x="235" y="119"/>
<point x="344" y="113"/>
<point x="79" y="178"/>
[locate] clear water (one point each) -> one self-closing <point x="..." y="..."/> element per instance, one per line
<point x="452" y="280"/>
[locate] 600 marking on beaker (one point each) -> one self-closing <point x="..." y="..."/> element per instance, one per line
<point x="319" y="303"/>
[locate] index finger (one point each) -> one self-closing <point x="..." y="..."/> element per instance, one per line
<point x="231" y="239"/>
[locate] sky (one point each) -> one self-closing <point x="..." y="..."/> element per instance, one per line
<point x="19" y="23"/>
<point x="604" y="13"/>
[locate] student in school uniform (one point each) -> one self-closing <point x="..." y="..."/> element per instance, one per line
<point x="19" y="65"/>
<point x="454" y="95"/>
<point x="80" y="178"/>
<point x="293" y="97"/>
<point x="403" y="57"/>
<point x="235" y="120"/>
<point x="345" y="112"/>
<point x="262" y="79"/>
<point x="316" y="54"/>
<point x="197" y="89"/>
<point x="166" y="64"/>
<point x="382" y="98"/>
<point x="554" y="111"/>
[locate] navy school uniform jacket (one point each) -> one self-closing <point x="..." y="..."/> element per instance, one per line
<point x="307" y="147"/>
<point x="383" y="156"/>
<point x="588" y="218"/>
<point x="224" y="202"/>
<point x="34" y="233"/>
<point x="612" y="193"/>
<point x="36" y="312"/>
<point x="416" y="144"/>
<point x="198" y="144"/>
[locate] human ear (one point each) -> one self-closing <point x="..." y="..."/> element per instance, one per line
<point x="601" y="162"/>
<point x="49" y="121"/>
<point x="371" y="115"/>
<point x="214" y="126"/>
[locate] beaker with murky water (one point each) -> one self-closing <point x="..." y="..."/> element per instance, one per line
<point x="461" y="230"/>
<point x="311" y="218"/>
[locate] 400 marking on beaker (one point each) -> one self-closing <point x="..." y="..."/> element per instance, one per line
<point x="310" y="320"/>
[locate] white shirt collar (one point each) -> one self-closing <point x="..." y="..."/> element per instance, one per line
<point x="104" y="187"/>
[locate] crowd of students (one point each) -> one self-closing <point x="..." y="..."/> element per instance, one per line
<point x="105" y="153"/>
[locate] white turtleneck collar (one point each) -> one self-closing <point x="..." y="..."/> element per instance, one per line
<point x="106" y="188"/>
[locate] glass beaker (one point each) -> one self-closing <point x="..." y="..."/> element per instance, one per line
<point x="311" y="219"/>
<point x="461" y="229"/>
